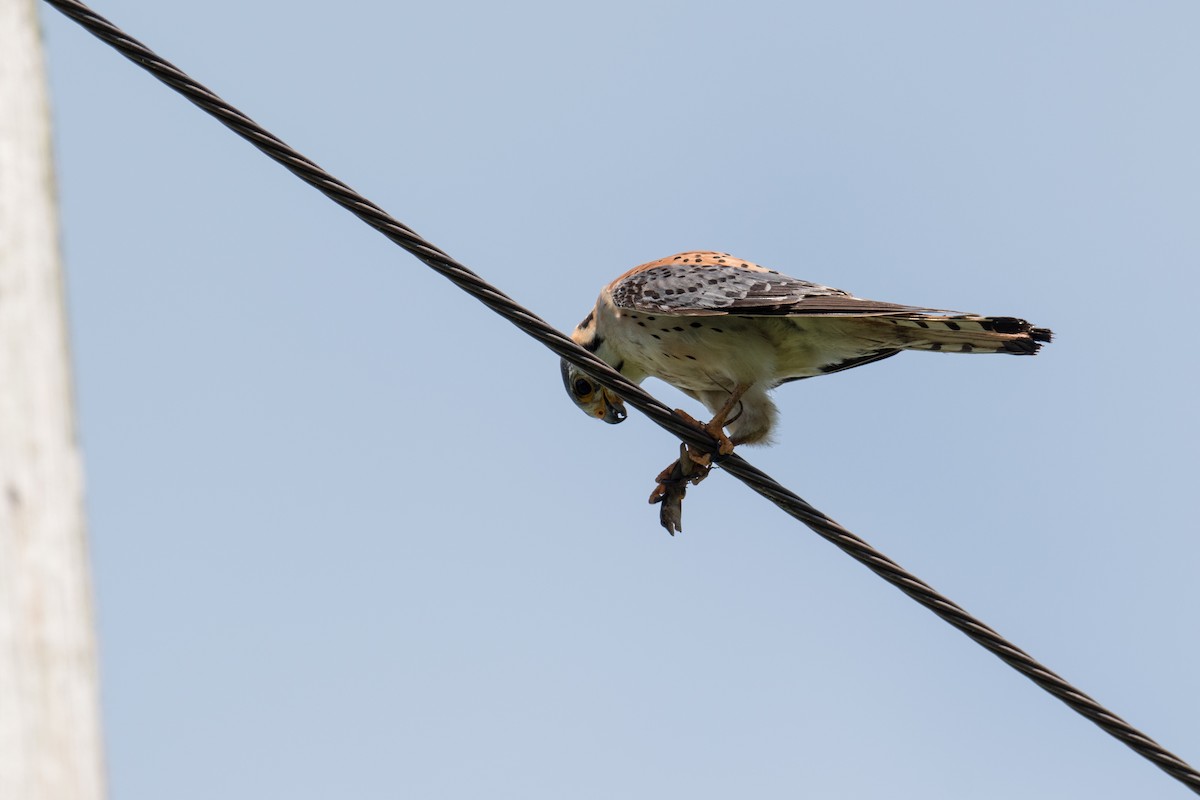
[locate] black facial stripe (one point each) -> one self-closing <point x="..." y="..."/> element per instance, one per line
<point x="565" y="366"/>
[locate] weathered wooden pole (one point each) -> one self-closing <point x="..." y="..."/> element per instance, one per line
<point x="50" y="744"/>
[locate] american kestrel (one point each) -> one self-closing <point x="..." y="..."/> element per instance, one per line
<point x="726" y="332"/>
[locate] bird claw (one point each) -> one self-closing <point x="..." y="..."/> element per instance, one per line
<point x="714" y="428"/>
<point x="690" y="468"/>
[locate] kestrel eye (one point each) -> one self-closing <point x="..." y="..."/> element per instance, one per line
<point x="581" y="387"/>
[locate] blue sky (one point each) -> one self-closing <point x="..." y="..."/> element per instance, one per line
<point x="350" y="538"/>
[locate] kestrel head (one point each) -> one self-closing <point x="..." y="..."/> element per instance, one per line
<point x="594" y="399"/>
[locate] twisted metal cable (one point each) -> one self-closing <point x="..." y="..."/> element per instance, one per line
<point x="661" y="414"/>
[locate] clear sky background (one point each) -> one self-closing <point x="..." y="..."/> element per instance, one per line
<point x="351" y="539"/>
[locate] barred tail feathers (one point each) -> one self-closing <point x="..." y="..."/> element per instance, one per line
<point x="970" y="333"/>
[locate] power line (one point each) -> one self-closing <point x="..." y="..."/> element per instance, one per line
<point x="633" y="394"/>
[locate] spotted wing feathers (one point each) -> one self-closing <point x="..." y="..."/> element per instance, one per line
<point x="707" y="284"/>
<point x="698" y="284"/>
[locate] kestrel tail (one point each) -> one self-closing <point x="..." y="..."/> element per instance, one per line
<point x="726" y="332"/>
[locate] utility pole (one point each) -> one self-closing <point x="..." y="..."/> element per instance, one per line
<point x="50" y="743"/>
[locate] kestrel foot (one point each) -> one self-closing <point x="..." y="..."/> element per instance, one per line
<point x="713" y="428"/>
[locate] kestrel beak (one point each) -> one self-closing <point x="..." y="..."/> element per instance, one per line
<point x="614" y="409"/>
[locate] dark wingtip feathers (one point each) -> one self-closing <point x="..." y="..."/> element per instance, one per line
<point x="1030" y="342"/>
<point x="1022" y="347"/>
<point x="1041" y="334"/>
<point x="1030" y="337"/>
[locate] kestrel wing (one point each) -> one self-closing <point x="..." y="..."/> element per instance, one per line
<point x="699" y="284"/>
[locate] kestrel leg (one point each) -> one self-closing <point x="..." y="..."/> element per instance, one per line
<point x="715" y="427"/>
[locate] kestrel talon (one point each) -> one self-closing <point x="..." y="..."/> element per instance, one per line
<point x="726" y="332"/>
